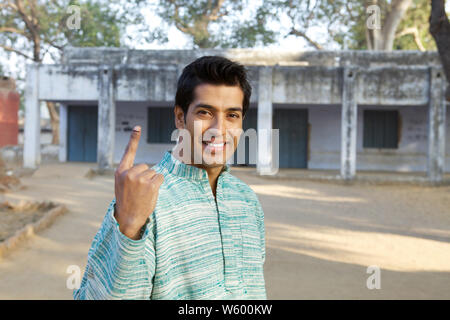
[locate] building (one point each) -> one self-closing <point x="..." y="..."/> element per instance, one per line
<point x="346" y="110"/>
<point x="9" y="107"/>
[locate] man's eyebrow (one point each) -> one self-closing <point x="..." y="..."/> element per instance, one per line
<point x="207" y="106"/>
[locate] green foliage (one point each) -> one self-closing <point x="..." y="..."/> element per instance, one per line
<point x="102" y="23"/>
<point x="212" y="24"/>
<point x="345" y="21"/>
<point x="417" y="16"/>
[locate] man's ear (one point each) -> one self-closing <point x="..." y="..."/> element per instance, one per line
<point x="179" y="117"/>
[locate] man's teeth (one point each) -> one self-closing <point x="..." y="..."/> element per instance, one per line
<point x="215" y="145"/>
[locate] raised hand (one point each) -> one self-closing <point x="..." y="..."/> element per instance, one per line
<point x="136" y="190"/>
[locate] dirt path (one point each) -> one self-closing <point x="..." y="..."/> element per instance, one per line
<point x="321" y="237"/>
<point x="38" y="269"/>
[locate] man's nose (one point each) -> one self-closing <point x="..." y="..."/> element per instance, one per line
<point x="219" y="124"/>
<point x="218" y="128"/>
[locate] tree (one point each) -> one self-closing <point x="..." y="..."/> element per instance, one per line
<point x="413" y="32"/>
<point x="214" y="23"/>
<point x="376" y="23"/>
<point x="356" y="24"/>
<point x="440" y="29"/>
<point x="33" y="29"/>
<point x="383" y="38"/>
<point x="301" y="15"/>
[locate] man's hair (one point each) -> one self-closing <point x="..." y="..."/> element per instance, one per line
<point x="214" y="70"/>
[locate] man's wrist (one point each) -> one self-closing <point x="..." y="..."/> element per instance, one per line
<point x="130" y="230"/>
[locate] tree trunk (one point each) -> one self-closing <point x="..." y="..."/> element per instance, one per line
<point x="383" y="39"/>
<point x="440" y="30"/>
<point x="54" y="121"/>
<point x="396" y="14"/>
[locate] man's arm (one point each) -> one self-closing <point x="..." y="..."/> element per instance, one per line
<point x="118" y="267"/>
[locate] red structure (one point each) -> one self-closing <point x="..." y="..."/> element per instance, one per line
<point x="9" y="106"/>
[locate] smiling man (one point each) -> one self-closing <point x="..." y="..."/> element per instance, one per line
<point x="185" y="228"/>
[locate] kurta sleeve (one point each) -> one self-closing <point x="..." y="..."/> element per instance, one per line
<point x="262" y="231"/>
<point x="119" y="267"/>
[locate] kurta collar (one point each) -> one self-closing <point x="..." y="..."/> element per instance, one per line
<point x="179" y="168"/>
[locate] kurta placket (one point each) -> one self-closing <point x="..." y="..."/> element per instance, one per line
<point x="229" y="232"/>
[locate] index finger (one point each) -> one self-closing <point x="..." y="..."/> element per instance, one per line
<point x="130" y="151"/>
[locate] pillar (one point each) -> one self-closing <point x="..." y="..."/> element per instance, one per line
<point x="265" y="164"/>
<point x="348" y="125"/>
<point x="436" y="126"/>
<point x="32" y="126"/>
<point x="106" y="118"/>
<point x="63" y="126"/>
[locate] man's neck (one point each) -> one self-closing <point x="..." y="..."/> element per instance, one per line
<point x="213" y="175"/>
<point x="213" y="172"/>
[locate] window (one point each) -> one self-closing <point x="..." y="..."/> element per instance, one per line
<point x="161" y="124"/>
<point x="380" y="129"/>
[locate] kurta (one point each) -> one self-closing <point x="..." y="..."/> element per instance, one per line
<point x="193" y="246"/>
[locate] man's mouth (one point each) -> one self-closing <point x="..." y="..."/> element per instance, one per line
<point x="214" y="146"/>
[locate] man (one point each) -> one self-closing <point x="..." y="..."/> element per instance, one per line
<point x="185" y="229"/>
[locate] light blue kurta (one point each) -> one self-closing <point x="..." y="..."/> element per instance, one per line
<point x="193" y="247"/>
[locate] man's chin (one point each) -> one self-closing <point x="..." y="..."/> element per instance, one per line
<point x="211" y="161"/>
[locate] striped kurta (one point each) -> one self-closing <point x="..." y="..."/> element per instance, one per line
<point x="194" y="246"/>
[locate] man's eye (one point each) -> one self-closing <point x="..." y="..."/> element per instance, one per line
<point x="234" y="115"/>
<point x="202" y="112"/>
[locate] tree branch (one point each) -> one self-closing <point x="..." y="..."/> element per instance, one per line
<point x="415" y="32"/>
<point x="15" y="51"/>
<point x="8" y="4"/>
<point x="15" y="31"/>
<point x="395" y="15"/>
<point x="32" y="28"/>
<point x="299" y="33"/>
<point x="178" y="23"/>
<point x="213" y="15"/>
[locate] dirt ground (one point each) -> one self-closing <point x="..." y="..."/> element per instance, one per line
<point x="15" y="216"/>
<point x="320" y="237"/>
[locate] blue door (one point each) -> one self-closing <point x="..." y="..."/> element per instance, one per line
<point x="293" y="143"/>
<point x="82" y="134"/>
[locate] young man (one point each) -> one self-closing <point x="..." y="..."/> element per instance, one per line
<point x="186" y="228"/>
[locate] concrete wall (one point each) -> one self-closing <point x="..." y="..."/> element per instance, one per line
<point x="324" y="140"/>
<point x="136" y="114"/>
<point x="411" y="155"/>
<point x="74" y="56"/>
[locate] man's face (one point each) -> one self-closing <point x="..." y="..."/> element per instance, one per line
<point x="214" y="121"/>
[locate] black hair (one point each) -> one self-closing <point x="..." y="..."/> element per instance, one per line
<point x="214" y="70"/>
